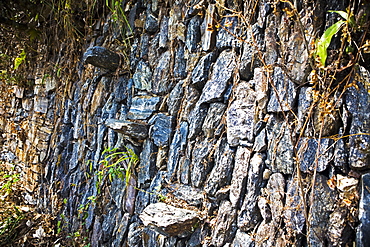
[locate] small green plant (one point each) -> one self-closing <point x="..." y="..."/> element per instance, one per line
<point x="116" y="164"/>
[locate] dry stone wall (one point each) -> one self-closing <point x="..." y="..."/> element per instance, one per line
<point x="217" y="101"/>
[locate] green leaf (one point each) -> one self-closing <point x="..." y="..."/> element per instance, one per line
<point x="324" y="42"/>
<point x="19" y="60"/>
<point x="341" y="13"/>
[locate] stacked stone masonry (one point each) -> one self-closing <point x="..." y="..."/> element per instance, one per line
<point x="216" y="106"/>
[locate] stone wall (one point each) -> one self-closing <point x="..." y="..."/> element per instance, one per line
<point x="219" y="101"/>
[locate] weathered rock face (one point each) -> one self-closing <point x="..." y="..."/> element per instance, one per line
<point x="223" y="122"/>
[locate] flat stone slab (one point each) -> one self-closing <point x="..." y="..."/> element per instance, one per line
<point x="137" y="131"/>
<point x="169" y="220"/>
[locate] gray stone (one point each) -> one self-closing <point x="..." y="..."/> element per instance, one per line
<point x="193" y="33"/>
<point x="102" y="58"/>
<point x="191" y="195"/>
<point x="161" y="75"/>
<point x="341" y="153"/>
<point x="228" y="33"/>
<point x="223" y="229"/>
<point x="142" y="77"/>
<point x="270" y="54"/>
<point x="249" y="58"/>
<point x="201" y="161"/>
<point x="260" y="144"/>
<point x="177" y="148"/>
<point x="221" y="75"/>
<point x="282" y="95"/>
<point x="134" y="234"/>
<point x="169" y="220"/>
<point x="174" y="100"/>
<point x="142" y="107"/>
<point x="151" y="23"/>
<point x="146" y="168"/>
<point x="280" y="146"/>
<point x="196" y="119"/>
<point x="240" y="115"/>
<point x="294" y="216"/>
<point x="163" y="33"/>
<point x="221" y="173"/>
<point x="212" y="121"/>
<point x="209" y="36"/>
<point x="243" y="239"/>
<point x="310" y="159"/>
<point x="200" y="73"/>
<point x="179" y="68"/>
<point x="324" y="199"/>
<point x="357" y="101"/>
<point x="249" y="215"/>
<point x="161" y="130"/>
<point x="191" y="99"/>
<point x="120" y="229"/>
<point x="135" y="132"/>
<point x="240" y="175"/>
<point x="363" y="237"/>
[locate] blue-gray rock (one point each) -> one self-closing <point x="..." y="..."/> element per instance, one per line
<point x="163" y="33"/>
<point x="183" y="172"/>
<point x="144" y="46"/>
<point x="212" y="121"/>
<point x="357" y="101"/>
<point x="179" y="68"/>
<point x="193" y="33"/>
<point x="196" y="118"/>
<point x="362" y="236"/>
<point x="209" y="35"/>
<point x="120" y="90"/>
<point x="309" y="155"/>
<point x="270" y="54"/>
<point x="249" y="215"/>
<point x="142" y="107"/>
<point x="221" y="75"/>
<point x="201" y="163"/>
<point x="142" y="200"/>
<point x="191" y="97"/>
<point x="241" y="115"/>
<point x="294" y="215"/>
<point x="174" y="99"/>
<point x="260" y="144"/>
<point x="177" y="148"/>
<point x="146" y="168"/>
<point x="134" y="235"/>
<point x="324" y="200"/>
<point x="282" y="97"/>
<point x="341" y="153"/>
<point x="228" y="33"/>
<point x="221" y="173"/>
<point x="102" y="57"/>
<point x="199" y="76"/>
<point x="120" y="229"/>
<point x="280" y="146"/>
<point x="223" y="230"/>
<point x="161" y="75"/>
<point x="161" y="130"/>
<point x="151" y="23"/>
<point x="136" y="132"/>
<point x="249" y="59"/>
<point x="143" y="77"/>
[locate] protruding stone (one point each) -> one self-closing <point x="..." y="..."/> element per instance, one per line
<point x="136" y="131"/>
<point x="196" y="118"/>
<point x="179" y="68"/>
<point x="243" y="239"/>
<point x="169" y="220"/>
<point x="151" y="23"/>
<point x="163" y="33"/>
<point x="213" y="119"/>
<point x="174" y="100"/>
<point x="146" y="168"/>
<point x="209" y="36"/>
<point x="102" y="58"/>
<point x="191" y="195"/>
<point x="221" y="75"/>
<point x="201" y="164"/>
